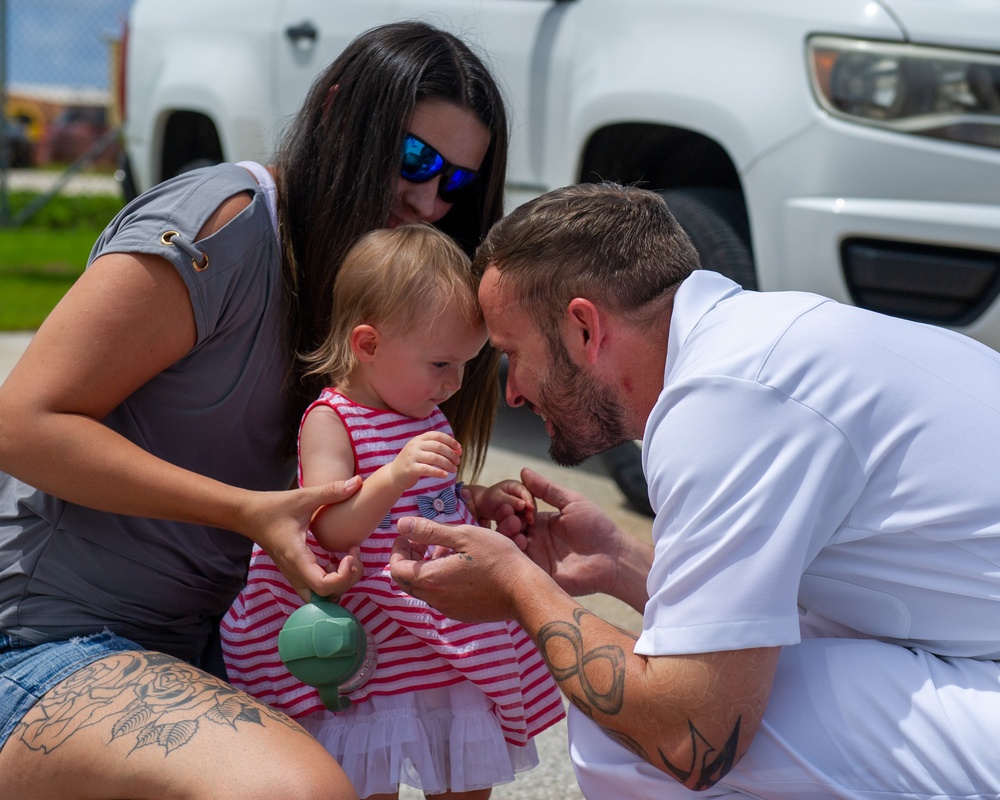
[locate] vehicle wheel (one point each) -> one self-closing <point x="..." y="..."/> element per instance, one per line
<point x="625" y="465"/>
<point x="197" y="163"/>
<point x="716" y="222"/>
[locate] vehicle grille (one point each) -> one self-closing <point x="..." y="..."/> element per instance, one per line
<point x="927" y="283"/>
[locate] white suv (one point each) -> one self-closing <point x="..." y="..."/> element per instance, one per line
<point x="846" y="147"/>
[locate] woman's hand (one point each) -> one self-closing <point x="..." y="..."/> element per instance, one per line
<point x="348" y="570"/>
<point x="278" y="522"/>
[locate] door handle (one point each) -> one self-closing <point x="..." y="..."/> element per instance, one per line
<point x="304" y="30"/>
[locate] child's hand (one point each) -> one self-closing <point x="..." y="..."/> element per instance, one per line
<point x="429" y="455"/>
<point x="509" y="504"/>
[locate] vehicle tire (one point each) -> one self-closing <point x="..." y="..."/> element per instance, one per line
<point x="625" y="465"/>
<point x="716" y="222"/>
<point x="197" y="163"/>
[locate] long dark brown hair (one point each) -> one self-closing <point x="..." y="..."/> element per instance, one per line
<point x="338" y="168"/>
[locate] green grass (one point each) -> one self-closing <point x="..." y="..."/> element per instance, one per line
<point x="40" y="260"/>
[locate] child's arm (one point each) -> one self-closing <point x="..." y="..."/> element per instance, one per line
<point x="509" y="504"/>
<point x="326" y="455"/>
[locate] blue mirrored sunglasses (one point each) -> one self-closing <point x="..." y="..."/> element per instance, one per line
<point x="422" y="163"/>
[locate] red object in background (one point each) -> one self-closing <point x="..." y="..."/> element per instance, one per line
<point x="74" y="131"/>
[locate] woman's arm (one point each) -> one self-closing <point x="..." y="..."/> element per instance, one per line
<point x="326" y="455"/>
<point x="125" y="320"/>
<point x="128" y="318"/>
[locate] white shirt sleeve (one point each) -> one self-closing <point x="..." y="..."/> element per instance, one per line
<point x="747" y="486"/>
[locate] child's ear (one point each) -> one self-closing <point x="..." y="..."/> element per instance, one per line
<point x="364" y="342"/>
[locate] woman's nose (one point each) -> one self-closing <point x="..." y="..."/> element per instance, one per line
<point x="423" y="201"/>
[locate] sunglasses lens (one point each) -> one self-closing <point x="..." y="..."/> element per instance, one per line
<point x="458" y="180"/>
<point x="453" y="184"/>
<point x="421" y="162"/>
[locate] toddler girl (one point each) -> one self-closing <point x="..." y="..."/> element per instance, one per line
<point x="451" y="707"/>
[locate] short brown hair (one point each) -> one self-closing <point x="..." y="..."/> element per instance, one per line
<point x="616" y="245"/>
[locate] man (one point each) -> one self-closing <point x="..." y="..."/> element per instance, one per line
<point x="822" y="601"/>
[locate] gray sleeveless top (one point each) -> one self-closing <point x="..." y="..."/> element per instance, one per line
<point x="67" y="570"/>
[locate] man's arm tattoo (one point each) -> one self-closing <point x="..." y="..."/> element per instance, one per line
<point x="708" y="764"/>
<point x="612" y="656"/>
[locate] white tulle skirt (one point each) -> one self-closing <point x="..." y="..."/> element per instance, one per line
<point x="435" y="740"/>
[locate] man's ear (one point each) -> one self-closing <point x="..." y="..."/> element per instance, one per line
<point x="364" y="342"/>
<point x="583" y="330"/>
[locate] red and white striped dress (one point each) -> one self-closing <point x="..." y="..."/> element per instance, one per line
<point x="417" y="648"/>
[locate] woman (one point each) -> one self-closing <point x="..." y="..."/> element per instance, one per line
<point x="146" y="432"/>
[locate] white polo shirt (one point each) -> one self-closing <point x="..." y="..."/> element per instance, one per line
<point x="817" y="469"/>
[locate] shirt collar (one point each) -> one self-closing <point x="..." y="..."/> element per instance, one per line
<point x="698" y="294"/>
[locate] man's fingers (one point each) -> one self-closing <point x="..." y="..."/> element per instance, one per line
<point x="416" y="536"/>
<point x="427" y="531"/>
<point x="404" y="561"/>
<point x="544" y="489"/>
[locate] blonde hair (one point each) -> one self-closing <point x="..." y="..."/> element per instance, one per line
<point x="395" y="279"/>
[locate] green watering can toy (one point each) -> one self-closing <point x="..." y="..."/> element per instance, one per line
<point x="325" y="646"/>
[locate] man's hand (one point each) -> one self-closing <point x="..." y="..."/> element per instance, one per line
<point x="477" y="582"/>
<point x="578" y="544"/>
<point x="278" y="522"/>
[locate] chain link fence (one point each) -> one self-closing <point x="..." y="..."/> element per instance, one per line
<point x="58" y="94"/>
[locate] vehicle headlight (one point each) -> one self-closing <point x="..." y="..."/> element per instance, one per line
<point x="930" y="91"/>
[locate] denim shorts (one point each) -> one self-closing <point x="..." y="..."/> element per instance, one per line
<point x="28" y="670"/>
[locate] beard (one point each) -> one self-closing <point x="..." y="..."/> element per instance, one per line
<point x="586" y="417"/>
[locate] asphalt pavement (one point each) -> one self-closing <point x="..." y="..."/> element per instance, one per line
<point x="519" y="440"/>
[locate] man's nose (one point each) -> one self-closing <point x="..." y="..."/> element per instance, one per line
<point x="513" y="397"/>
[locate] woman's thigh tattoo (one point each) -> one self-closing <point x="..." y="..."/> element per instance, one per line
<point x="149" y="699"/>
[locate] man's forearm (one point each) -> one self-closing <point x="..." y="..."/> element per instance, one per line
<point x="634" y="561"/>
<point x="681" y="714"/>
